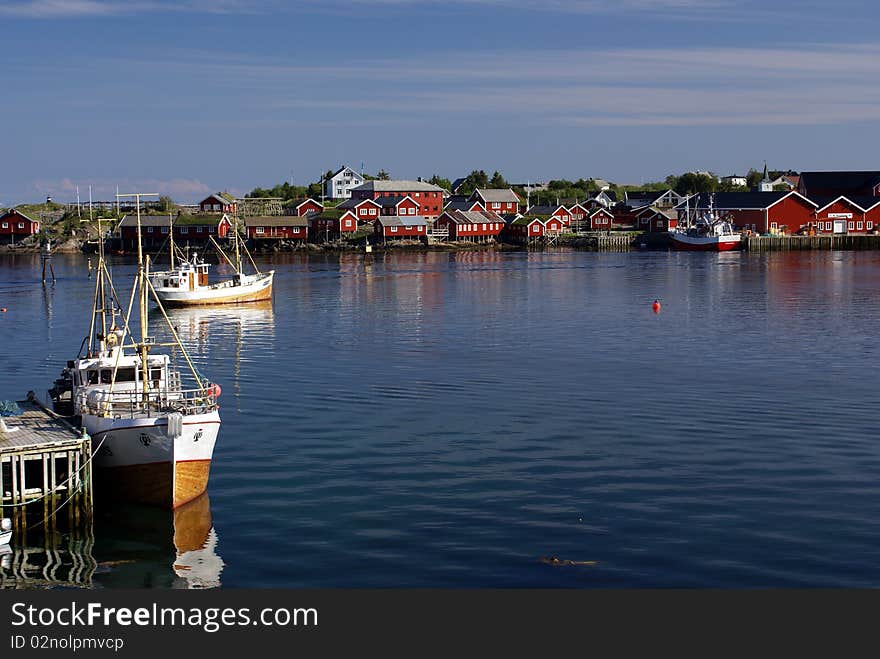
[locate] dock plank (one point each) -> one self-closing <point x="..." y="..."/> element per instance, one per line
<point x="35" y="430"/>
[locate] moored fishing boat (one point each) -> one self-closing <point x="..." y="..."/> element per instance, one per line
<point x="187" y="284"/>
<point x="705" y="230"/>
<point x="153" y="426"/>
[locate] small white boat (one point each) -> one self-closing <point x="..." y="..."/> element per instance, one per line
<point x="5" y="531"/>
<point x="187" y="285"/>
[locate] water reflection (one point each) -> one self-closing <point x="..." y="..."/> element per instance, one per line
<point x="145" y="547"/>
<point x="126" y="546"/>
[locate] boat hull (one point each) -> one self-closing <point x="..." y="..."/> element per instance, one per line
<point x="142" y="460"/>
<point x="706" y="243"/>
<point x="5" y="537"/>
<point x="257" y="290"/>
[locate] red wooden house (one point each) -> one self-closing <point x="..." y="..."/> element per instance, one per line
<point x="844" y="215"/>
<point x="524" y="229"/>
<point x="277" y="227"/>
<point x="474" y="226"/>
<point x="428" y="196"/>
<point x="366" y="210"/>
<point x="221" y="202"/>
<point x="331" y="224"/>
<point x="655" y="219"/>
<point x="601" y="219"/>
<point x="16" y="226"/>
<point x="308" y="206"/>
<point x="398" y="206"/>
<point x="499" y="201"/>
<point x="395" y="227"/>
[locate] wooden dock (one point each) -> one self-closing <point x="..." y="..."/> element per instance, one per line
<point x="43" y="460"/>
<point x="826" y="242"/>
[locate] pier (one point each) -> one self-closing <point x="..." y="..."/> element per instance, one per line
<point x="45" y="467"/>
<point x="827" y="242"/>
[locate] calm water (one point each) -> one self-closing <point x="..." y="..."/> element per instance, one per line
<point x="449" y="419"/>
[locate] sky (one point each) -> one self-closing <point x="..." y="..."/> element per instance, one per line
<point x="190" y="97"/>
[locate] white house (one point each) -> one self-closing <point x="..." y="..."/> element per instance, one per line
<point x="340" y="184"/>
<point x="734" y="179"/>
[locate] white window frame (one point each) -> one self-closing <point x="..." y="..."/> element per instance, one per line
<point x="496" y="204"/>
<point x="773" y="225"/>
<point x="184" y="230"/>
<point x="860" y="226"/>
<point x="372" y="211"/>
<point x="869" y="225"/>
<point x="164" y="230"/>
<point x="260" y="230"/>
<point x="6" y="225"/>
<point x="21" y="225"/>
<point x="149" y="229"/>
<point x="850" y="226"/>
<point x="393" y="229"/>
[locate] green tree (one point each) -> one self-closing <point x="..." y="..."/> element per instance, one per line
<point x="166" y="203"/>
<point x="476" y="179"/>
<point x="498" y="181"/>
<point x="691" y="182"/>
<point x="444" y="183"/>
<point x="383" y="175"/>
<point x="753" y="178"/>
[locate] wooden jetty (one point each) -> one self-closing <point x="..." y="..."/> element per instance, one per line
<point x="827" y="242"/>
<point x="43" y="459"/>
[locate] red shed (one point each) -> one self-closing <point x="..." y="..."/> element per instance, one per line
<point x="497" y="200"/>
<point x="308" y="206"/>
<point x="331" y="224"/>
<point x="525" y="228"/>
<point x="366" y="210"/>
<point x="15" y="225"/>
<point x="601" y="219"/>
<point x="222" y="202"/>
<point x="841" y="215"/>
<point x="475" y="226"/>
<point x="398" y="206"/>
<point x="759" y="211"/>
<point x="277" y="227"/>
<point x="187" y="229"/>
<point x="394" y="227"/>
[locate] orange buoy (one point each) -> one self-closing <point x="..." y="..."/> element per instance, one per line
<point x="3" y="310"/>
<point x="215" y="390"/>
<point x="656" y="306"/>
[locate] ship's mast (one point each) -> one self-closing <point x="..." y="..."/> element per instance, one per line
<point x="171" y="238"/>
<point x="142" y="284"/>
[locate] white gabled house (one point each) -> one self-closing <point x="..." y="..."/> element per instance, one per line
<point x="340" y="184"/>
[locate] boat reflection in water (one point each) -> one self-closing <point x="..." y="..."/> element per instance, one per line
<point x="147" y="547"/>
<point x="127" y="546"/>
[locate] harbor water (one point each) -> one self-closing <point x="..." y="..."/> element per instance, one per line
<point x="506" y="419"/>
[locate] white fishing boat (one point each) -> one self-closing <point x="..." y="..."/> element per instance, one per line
<point x="153" y="426"/>
<point x="187" y="283"/>
<point x="705" y="230"/>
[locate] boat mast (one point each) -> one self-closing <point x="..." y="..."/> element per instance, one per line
<point x="237" y="251"/>
<point x="142" y="290"/>
<point x="171" y="237"/>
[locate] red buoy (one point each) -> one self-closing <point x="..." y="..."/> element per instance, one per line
<point x="3" y="310"/>
<point x="656" y="306"/>
<point x="215" y="390"/>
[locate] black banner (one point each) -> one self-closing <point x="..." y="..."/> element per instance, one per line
<point x="414" y="622"/>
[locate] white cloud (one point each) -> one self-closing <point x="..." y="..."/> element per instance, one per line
<point x="179" y="189"/>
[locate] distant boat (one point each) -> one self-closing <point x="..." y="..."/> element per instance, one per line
<point x="187" y="283"/>
<point x="706" y="231"/>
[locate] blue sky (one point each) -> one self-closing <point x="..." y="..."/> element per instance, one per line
<point x="189" y="97"/>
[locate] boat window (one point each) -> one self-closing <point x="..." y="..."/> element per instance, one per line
<point x="155" y="373"/>
<point x="125" y="374"/>
<point x="93" y="377"/>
